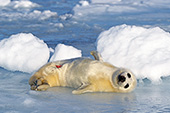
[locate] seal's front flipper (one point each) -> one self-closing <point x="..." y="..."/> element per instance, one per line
<point x="83" y="89"/>
<point x="42" y="87"/>
<point x="38" y="84"/>
<point x="97" y="55"/>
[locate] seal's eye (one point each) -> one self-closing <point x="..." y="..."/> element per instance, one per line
<point x="129" y="76"/>
<point x="127" y="85"/>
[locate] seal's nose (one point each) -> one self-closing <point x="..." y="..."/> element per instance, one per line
<point x="121" y="78"/>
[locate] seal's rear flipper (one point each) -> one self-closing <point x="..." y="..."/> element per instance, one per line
<point x="97" y="55"/>
<point x="83" y="89"/>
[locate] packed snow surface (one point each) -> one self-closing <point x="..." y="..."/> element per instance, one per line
<point x="4" y="2"/>
<point x="65" y="52"/>
<point x="145" y="51"/>
<point x="23" y="52"/>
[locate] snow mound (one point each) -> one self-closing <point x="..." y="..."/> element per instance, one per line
<point x="23" y="52"/>
<point x="36" y="14"/>
<point x="144" y="51"/>
<point x="65" y="52"/>
<point x="23" y="4"/>
<point x="84" y="3"/>
<point x="4" y="2"/>
<point x="65" y="16"/>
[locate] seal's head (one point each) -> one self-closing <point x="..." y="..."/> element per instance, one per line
<point x="46" y="76"/>
<point x="124" y="80"/>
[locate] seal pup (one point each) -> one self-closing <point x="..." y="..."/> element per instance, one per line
<point x="84" y="75"/>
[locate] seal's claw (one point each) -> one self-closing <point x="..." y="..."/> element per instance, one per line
<point x="42" y="87"/>
<point x="38" y="84"/>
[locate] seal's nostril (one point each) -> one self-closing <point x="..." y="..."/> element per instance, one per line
<point x="121" y="78"/>
<point x="129" y="75"/>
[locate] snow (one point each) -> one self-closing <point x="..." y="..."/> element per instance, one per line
<point x="65" y="52"/>
<point x="146" y="3"/>
<point x="108" y="6"/>
<point x="28" y="102"/>
<point x="4" y="2"/>
<point x="24" y="11"/>
<point x="23" y="52"/>
<point x="27" y="53"/>
<point x="105" y="1"/>
<point x="60" y="25"/>
<point x="65" y="16"/>
<point x="84" y="3"/>
<point x="116" y="7"/>
<point x="18" y="3"/>
<point x="33" y="15"/>
<point x="138" y="38"/>
<point x="78" y="23"/>
<point x="36" y="14"/>
<point x="23" y="4"/>
<point x="145" y="51"/>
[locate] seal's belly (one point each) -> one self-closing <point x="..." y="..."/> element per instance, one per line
<point x="78" y="73"/>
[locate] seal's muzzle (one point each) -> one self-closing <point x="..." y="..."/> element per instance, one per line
<point x="123" y="80"/>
